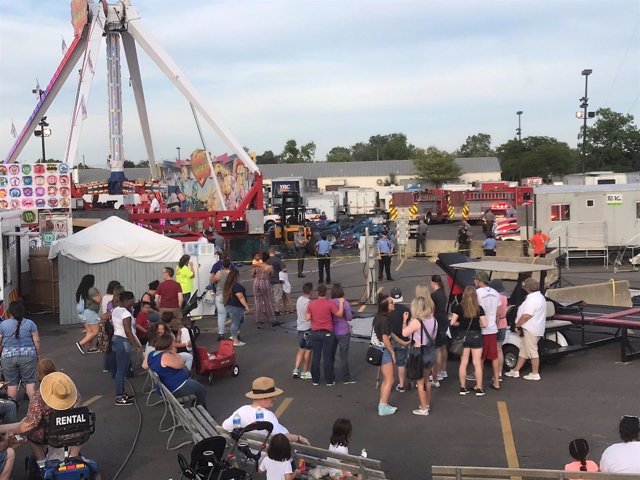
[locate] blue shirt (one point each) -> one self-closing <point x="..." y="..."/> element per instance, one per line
<point x="172" y="378"/>
<point x="385" y="247"/>
<point x="324" y="247"/>
<point x="21" y="346"/>
<point x="489" y="244"/>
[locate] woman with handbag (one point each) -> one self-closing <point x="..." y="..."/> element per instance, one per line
<point x="470" y="316"/>
<point x="381" y="340"/>
<point x="423" y="330"/>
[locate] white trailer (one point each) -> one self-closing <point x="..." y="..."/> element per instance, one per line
<point x="589" y="220"/>
<point x="359" y="201"/>
<point x="327" y="203"/>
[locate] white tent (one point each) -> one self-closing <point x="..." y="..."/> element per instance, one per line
<point x="116" y="238"/>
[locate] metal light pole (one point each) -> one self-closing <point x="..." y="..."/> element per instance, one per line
<point x="585" y="105"/>
<point x="43" y="123"/>
<point x="178" y="148"/>
<point x="519" y="129"/>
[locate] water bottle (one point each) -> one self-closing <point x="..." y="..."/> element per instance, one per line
<point x="259" y="414"/>
<point x="237" y="421"/>
<point x="363" y="454"/>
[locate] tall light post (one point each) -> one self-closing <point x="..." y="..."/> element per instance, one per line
<point x="519" y="129"/>
<point x="178" y="148"/>
<point x="585" y="105"/>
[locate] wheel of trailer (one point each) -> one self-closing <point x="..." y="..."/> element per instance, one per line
<point x="235" y="371"/>
<point x="510" y="353"/>
<point x="268" y="224"/>
<point x="210" y="379"/>
<point x="544" y="345"/>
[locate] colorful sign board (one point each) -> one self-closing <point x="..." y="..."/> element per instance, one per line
<point x="79" y="15"/>
<point x="37" y="186"/>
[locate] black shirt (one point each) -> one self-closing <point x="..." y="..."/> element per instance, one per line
<point x="440" y="309"/>
<point x="381" y="326"/>
<point x="463" y="322"/>
<point x="395" y="320"/>
<point x="278" y="265"/>
<point x="233" y="299"/>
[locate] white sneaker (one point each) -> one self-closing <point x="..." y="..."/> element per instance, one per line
<point x="532" y="376"/>
<point x="419" y="411"/>
<point x="444" y="374"/>
<point x="512" y="374"/>
<point x="435" y="384"/>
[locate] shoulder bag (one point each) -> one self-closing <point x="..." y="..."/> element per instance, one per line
<point x="415" y="362"/>
<point x="374" y="353"/>
<point x="457" y="346"/>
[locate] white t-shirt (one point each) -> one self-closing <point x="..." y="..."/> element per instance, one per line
<point x="248" y="415"/>
<point x="535" y="305"/>
<point x="155" y="205"/>
<point x="106" y="298"/>
<point x="301" y="309"/>
<point x="489" y="300"/>
<point x="185" y="337"/>
<point x="276" y="470"/>
<point x="621" y="458"/>
<point x="284" y="278"/>
<point x="117" y="318"/>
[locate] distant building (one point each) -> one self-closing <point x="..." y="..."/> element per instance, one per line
<point x="601" y="178"/>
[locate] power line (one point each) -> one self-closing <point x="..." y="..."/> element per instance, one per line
<point x="624" y="57"/>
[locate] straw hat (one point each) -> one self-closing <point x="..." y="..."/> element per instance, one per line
<point x="263" y="387"/>
<point x="58" y="391"/>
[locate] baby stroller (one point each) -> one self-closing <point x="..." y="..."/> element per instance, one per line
<point x="212" y="460"/>
<point x="219" y="362"/>
<point x="190" y="306"/>
<point x="66" y="428"/>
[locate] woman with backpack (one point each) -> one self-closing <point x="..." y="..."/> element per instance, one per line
<point x="423" y="330"/>
<point x="20" y="346"/>
<point x="88" y="300"/>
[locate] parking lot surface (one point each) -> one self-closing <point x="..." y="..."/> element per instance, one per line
<point x="583" y="395"/>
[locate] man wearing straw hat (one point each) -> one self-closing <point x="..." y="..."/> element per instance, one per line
<point x="263" y="392"/>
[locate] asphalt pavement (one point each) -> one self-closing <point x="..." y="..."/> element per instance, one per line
<point x="529" y="424"/>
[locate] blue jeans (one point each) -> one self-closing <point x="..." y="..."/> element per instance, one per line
<point x="342" y="344"/>
<point x="192" y="387"/>
<point x="221" y="311"/>
<point x="122" y="349"/>
<point x="237" y="318"/>
<point x="8" y="411"/>
<point x="322" y="343"/>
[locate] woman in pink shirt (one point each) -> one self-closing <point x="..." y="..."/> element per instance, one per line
<point x="579" y="449"/>
<point x="501" y="319"/>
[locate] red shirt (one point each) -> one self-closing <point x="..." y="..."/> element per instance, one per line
<point x="321" y="310"/>
<point x="168" y="291"/>
<point x="539" y="242"/>
<point x="143" y="321"/>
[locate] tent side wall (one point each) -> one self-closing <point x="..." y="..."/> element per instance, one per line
<point x="134" y="275"/>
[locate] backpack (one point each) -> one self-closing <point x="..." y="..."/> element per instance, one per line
<point x="463" y="236"/>
<point x="80" y="306"/>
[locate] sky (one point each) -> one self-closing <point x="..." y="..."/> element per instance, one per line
<point x="335" y="72"/>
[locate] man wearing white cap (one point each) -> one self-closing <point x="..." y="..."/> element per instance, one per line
<point x="263" y="392"/>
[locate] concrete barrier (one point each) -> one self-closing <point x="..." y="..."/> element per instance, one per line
<point x="552" y="275"/>
<point x="611" y="293"/>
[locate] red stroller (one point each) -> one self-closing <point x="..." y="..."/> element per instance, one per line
<point x="217" y="363"/>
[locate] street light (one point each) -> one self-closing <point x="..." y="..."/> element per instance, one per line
<point x="178" y="148"/>
<point x="43" y="132"/>
<point x="519" y="129"/>
<point x="584" y="104"/>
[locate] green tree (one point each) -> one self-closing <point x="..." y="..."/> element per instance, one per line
<point x="535" y="157"/>
<point x="363" y="152"/>
<point x="391" y="180"/>
<point x="476" y="146"/>
<point x="613" y="142"/>
<point x="143" y="163"/>
<point x="339" y="154"/>
<point x="128" y="164"/>
<point x="293" y="154"/>
<point x="308" y="152"/>
<point x="267" y="158"/>
<point x="435" y="166"/>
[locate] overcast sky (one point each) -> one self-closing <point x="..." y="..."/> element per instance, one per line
<point x="337" y="72"/>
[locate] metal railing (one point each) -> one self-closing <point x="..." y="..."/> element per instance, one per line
<point x="479" y="473"/>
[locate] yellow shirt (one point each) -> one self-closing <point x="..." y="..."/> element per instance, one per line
<point x="184" y="276"/>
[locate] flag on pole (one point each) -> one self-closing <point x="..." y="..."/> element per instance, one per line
<point x="64" y="47"/>
<point x="83" y="108"/>
<point x="37" y="90"/>
<point x="90" y="63"/>
<point x="14" y="133"/>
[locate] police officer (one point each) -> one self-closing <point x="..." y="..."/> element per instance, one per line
<point x="323" y="252"/>
<point x="421" y="238"/>
<point x="385" y="250"/>
<point x="463" y="242"/>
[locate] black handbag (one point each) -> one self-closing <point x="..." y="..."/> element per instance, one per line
<point x="415" y="362"/>
<point x="374" y="356"/>
<point x="457" y="346"/>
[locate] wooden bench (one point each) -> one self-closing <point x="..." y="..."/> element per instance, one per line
<point x="479" y="473"/>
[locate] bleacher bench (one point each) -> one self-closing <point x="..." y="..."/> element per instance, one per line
<point x="478" y="473"/>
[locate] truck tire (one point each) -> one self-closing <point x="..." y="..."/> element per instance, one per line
<point x="510" y="353"/>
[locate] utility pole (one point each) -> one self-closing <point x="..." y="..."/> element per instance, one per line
<point x="585" y="105"/>
<point x="519" y="129"/>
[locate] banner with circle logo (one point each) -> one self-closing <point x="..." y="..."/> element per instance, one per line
<point x="37" y="186"/>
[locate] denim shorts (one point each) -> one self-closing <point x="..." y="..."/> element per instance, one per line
<point x="3" y="459"/>
<point x="473" y="340"/>
<point x="386" y="357"/>
<point x="19" y="368"/>
<point x="90" y="317"/>
<point x="304" y="339"/>
<point x="401" y="355"/>
<point x="429" y="356"/>
<point x="502" y="334"/>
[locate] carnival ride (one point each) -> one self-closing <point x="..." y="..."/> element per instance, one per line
<point x="121" y="22"/>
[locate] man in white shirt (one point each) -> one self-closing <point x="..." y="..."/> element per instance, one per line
<point x="531" y="320"/>
<point x="155" y="205"/>
<point x="263" y="392"/>
<point x="624" y="457"/>
<point x="489" y="300"/>
<point x="303" y="357"/>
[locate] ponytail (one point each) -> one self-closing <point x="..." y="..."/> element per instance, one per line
<point x="17" y="312"/>
<point x="579" y="449"/>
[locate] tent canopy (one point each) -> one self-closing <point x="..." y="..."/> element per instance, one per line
<point x="114" y="238"/>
